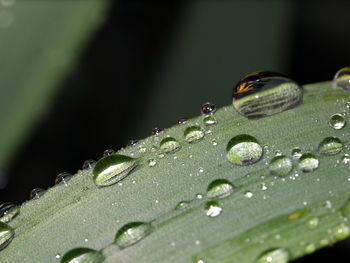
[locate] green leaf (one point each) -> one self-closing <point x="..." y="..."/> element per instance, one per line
<point x="295" y="214"/>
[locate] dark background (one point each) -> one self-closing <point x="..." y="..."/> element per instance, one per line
<point x="152" y="63"/>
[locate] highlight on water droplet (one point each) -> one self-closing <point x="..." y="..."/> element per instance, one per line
<point x="152" y="162"/>
<point x="36" y="193"/>
<point x="157" y="131"/>
<point x="208" y="108"/>
<point x="8" y="211"/>
<point x="281" y="165"/>
<point x="132" y="233"/>
<point x="63" y="178"/>
<point x="212" y="208"/>
<point x="345" y="159"/>
<point x="296" y="153"/>
<point x="83" y="255"/>
<point x="330" y="146"/>
<point x="308" y="162"/>
<point x="244" y="150"/>
<point x="6" y="235"/>
<point x="313" y="222"/>
<point x="337" y="121"/>
<point x="261" y="94"/>
<point x="88" y="164"/>
<point x="219" y="189"/>
<point x="209" y="120"/>
<point x="278" y="255"/>
<point x="182" y="121"/>
<point x="112" y="168"/>
<point x="169" y="145"/>
<point x="342" y="78"/>
<point x="193" y="134"/>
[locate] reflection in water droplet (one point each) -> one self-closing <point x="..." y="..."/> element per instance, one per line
<point x="108" y="152"/>
<point x="88" y="164"/>
<point x="132" y="233"/>
<point x="308" y="162"/>
<point x="112" y="168"/>
<point x="63" y="178"/>
<point x="342" y="78"/>
<point x="83" y="255"/>
<point x="213" y="208"/>
<point x="261" y="94"/>
<point x="281" y="165"/>
<point x="209" y="120"/>
<point x="208" y="108"/>
<point x="337" y="121"/>
<point x="330" y="146"/>
<point x="6" y="235"/>
<point x="182" y="205"/>
<point x="8" y="211"/>
<point x="36" y="193"/>
<point x="169" y="145"/>
<point x="244" y="150"/>
<point x="219" y="189"/>
<point x="193" y="134"/>
<point x="278" y="255"/>
<point x="296" y="153"/>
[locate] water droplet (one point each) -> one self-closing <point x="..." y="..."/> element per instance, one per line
<point x="212" y="208"/>
<point x="345" y="159"/>
<point x="152" y="162"/>
<point x="296" y="153"/>
<point x="8" y="211"/>
<point x="83" y="255"/>
<point x="132" y="142"/>
<point x="182" y="205"/>
<point x="58" y="256"/>
<point x="36" y="193"/>
<point x="132" y="233"/>
<point x="347" y="105"/>
<point x="209" y="120"/>
<point x="308" y="162"/>
<point x="169" y="145"/>
<point x="113" y="168"/>
<point x="278" y="255"/>
<point x="193" y="134"/>
<point x="337" y="121"/>
<point x="6" y="235"/>
<point x="219" y="189"/>
<point x="108" y="152"/>
<point x="88" y="164"/>
<point x="281" y="165"/>
<point x="199" y="196"/>
<point x="330" y="146"/>
<point x="244" y="150"/>
<point x="208" y="108"/>
<point x="309" y="249"/>
<point x="248" y="194"/>
<point x="312" y="222"/>
<point x="265" y="93"/>
<point x="214" y="142"/>
<point x="182" y="121"/>
<point x="342" y="78"/>
<point x="63" y="178"/>
<point x="341" y="232"/>
<point x="156" y="131"/>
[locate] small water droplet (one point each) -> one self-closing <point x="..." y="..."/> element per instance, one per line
<point x="330" y="146"/>
<point x="248" y="194"/>
<point x="281" y="165"/>
<point x="152" y="162"/>
<point x="342" y="78"/>
<point x="58" y="256"/>
<point x="345" y="159"/>
<point x="182" y="205"/>
<point x="63" y="178"/>
<point x="108" y="152"/>
<point x="182" y="121"/>
<point x="132" y="142"/>
<point x="112" y="168"/>
<point x="83" y="255"/>
<point x="88" y="164"/>
<point x="6" y="235"/>
<point x="261" y="94"/>
<point x="347" y="105"/>
<point x="193" y="134"/>
<point x="312" y="222"/>
<point x="199" y="196"/>
<point x="157" y="131"/>
<point x="337" y="121"/>
<point x="213" y="208"/>
<point x="169" y="145"/>
<point x="36" y="193"/>
<point x="328" y="204"/>
<point x="244" y="150"/>
<point x="219" y="189"/>
<point x="208" y="108"/>
<point x="296" y="153"/>
<point x="209" y="120"/>
<point x="341" y="232"/>
<point x="132" y="233"/>
<point x="308" y="162"/>
<point x="8" y="211"/>
<point x="310" y="248"/>
<point x="278" y="255"/>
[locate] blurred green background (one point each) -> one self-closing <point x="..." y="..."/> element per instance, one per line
<point x="80" y="76"/>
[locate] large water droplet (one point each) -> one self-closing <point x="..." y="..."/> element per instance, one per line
<point x="208" y="108"/>
<point x="83" y="255"/>
<point x="36" y="193"/>
<point x="244" y="150"/>
<point x="169" y="145"/>
<point x="308" y="162"/>
<point x="6" y="235"/>
<point x="63" y="178"/>
<point x="281" y="165"/>
<point x="330" y="146"/>
<point x="219" y="189"/>
<point x="193" y="134"/>
<point x="342" y="78"/>
<point x="132" y="233"/>
<point x="278" y="255"/>
<point x="113" y="168"/>
<point x="265" y="93"/>
<point x="337" y="121"/>
<point x="8" y="211"/>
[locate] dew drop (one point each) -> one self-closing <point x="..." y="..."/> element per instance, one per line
<point x="281" y="165"/>
<point x="169" y="145"/>
<point x="212" y="208"/>
<point x="208" y="108"/>
<point x="219" y="189"/>
<point x="308" y="162"/>
<point x="341" y="232"/>
<point x="312" y="222"/>
<point x="113" y="168"/>
<point x="36" y="193"/>
<point x="83" y="255"/>
<point x="108" y="152"/>
<point x="310" y="248"/>
<point x="296" y="153"/>
<point x="6" y="235"/>
<point x="342" y="78"/>
<point x="63" y="178"/>
<point x="261" y="94"/>
<point x="88" y="164"/>
<point x="156" y="131"/>
<point x="244" y="150"/>
<point x="337" y="121"/>
<point x="182" y="121"/>
<point x="152" y="162"/>
<point x="214" y="142"/>
<point x="58" y="256"/>
<point x="193" y="134"/>
<point x="278" y="255"/>
<point x="8" y="211"/>
<point x="209" y="120"/>
<point x="330" y="146"/>
<point x="182" y="205"/>
<point x="248" y="194"/>
<point x="132" y="142"/>
<point x="132" y="233"/>
<point x="345" y="159"/>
